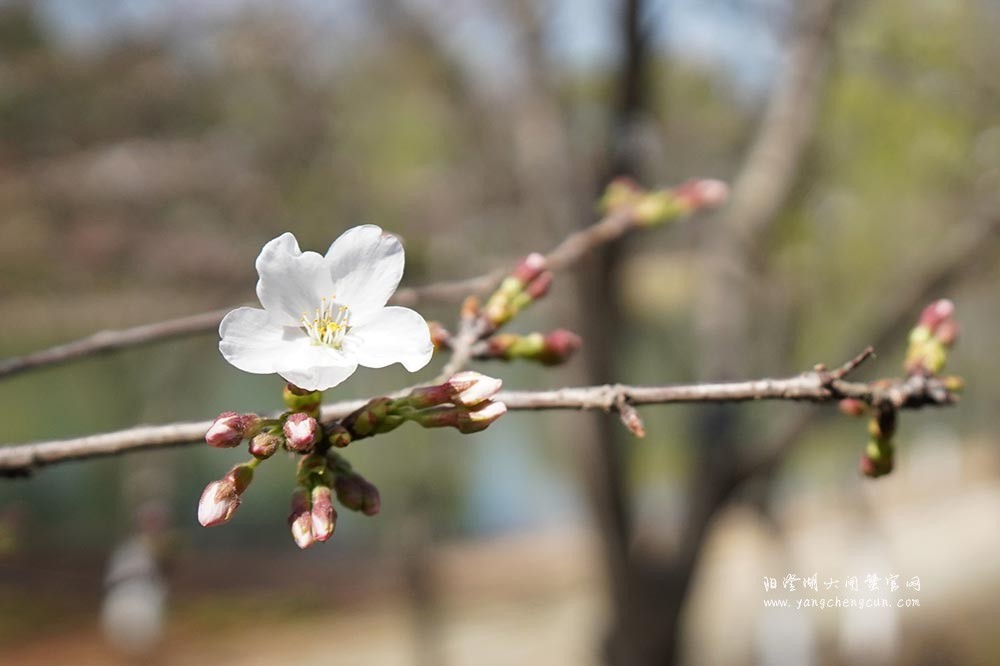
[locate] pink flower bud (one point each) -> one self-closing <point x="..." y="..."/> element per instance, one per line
<point x="218" y="503"/>
<point x="529" y="268"/>
<point x="300" y="519"/>
<point x="470" y="421"/>
<point x="470" y="388"/>
<point x="935" y="313"/>
<point x="226" y="431"/>
<point x="322" y="514"/>
<point x="705" y="193"/>
<point x="301" y="432"/>
<point x="559" y="346"/>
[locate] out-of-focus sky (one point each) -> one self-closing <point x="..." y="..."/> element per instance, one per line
<point x="738" y="37"/>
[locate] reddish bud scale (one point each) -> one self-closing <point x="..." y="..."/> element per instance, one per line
<point x="240" y="477"/>
<point x="263" y="445"/>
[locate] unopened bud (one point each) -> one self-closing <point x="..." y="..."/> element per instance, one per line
<point x="704" y="193"/>
<point x="852" y="407"/>
<point x="470" y="308"/>
<point x="559" y="346"/>
<point x="657" y="207"/>
<point x="619" y="193"/>
<point x="301" y="432"/>
<point x="539" y="287"/>
<point x="226" y="431"/>
<point x="300" y="519"/>
<point x="529" y="268"/>
<point x="218" y="503"/>
<point x="630" y="418"/>
<point x="322" y="513"/>
<point x="440" y="337"/>
<point x="953" y="383"/>
<point x="311" y="468"/>
<point x="469" y="388"/>
<point x="302" y="400"/>
<point x="936" y="313"/>
<point x="357" y="493"/>
<point x="263" y="445"/>
<point x="367" y="420"/>
<point x="350" y="492"/>
<point x="947" y="332"/>
<point x="471" y="421"/>
<point x="372" y="503"/>
<point x="877" y="459"/>
<point x="338" y="436"/>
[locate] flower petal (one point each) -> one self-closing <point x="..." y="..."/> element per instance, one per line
<point x="366" y="266"/>
<point x="292" y="282"/>
<point x="314" y="367"/>
<point x="392" y="335"/>
<point x="319" y="378"/>
<point x="251" y="340"/>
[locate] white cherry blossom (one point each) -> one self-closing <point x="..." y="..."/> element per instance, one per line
<point x="324" y="315"/>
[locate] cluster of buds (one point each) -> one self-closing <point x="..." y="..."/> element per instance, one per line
<point x="298" y="432"/>
<point x="652" y="207"/>
<point x="464" y="402"/>
<point x="551" y="348"/>
<point x="528" y="283"/>
<point x="930" y="340"/>
<point x="313" y="518"/>
<point x="877" y="459"/>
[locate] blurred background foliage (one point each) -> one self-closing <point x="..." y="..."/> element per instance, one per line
<point x="147" y="152"/>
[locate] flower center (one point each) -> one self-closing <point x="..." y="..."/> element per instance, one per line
<point x="328" y="325"/>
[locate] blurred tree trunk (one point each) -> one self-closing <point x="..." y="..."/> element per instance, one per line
<point x="599" y="308"/>
<point x="649" y="591"/>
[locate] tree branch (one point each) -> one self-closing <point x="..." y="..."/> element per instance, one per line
<point x="564" y="255"/>
<point x="818" y="385"/>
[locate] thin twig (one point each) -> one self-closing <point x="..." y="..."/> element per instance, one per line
<point x="570" y="250"/>
<point x="814" y="386"/>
